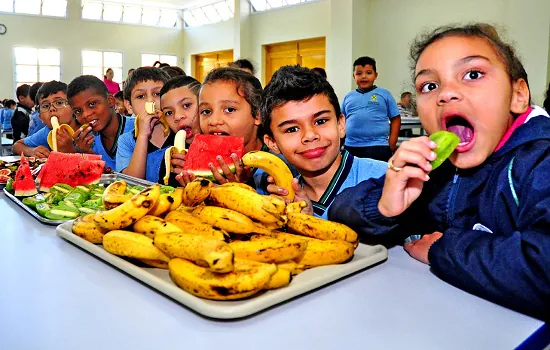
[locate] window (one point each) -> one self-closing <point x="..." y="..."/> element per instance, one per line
<point x="54" y="8"/>
<point x="130" y="14"/>
<point x="32" y="65"/>
<point x="216" y="12"/>
<point x="147" y="59"/>
<point x="97" y="62"/>
<point x="264" y="5"/>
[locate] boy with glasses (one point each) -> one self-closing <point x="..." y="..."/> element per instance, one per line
<point x="52" y="101"/>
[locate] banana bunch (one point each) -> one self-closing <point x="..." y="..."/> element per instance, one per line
<point x="179" y="147"/>
<point x="272" y="165"/>
<point x="167" y="202"/>
<point x="52" y="135"/>
<point x="150" y="108"/>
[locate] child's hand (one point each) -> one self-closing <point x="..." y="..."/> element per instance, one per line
<point x="64" y="141"/>
<point x="419" y="249"/>
<point x="408" y="170"/>
<point x="177" y="161"/>
<point x="299" y="193"/>
<point x="40" y="152"/>
<point x="242" y="173"/>
<point x="147" y="122"/>
<point x="185" y="177"/>
<point x="84" y="138"/>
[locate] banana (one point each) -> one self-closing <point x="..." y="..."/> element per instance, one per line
<point x="196" y="192"/>
<point x="179" y="147"/>
<point x="52" y="135"/>
<point x="194" y="226"/>
<point x="177" y="195"/>
<point x="156" y="263"/>
<point x="184" y="208"/>
<point x="312" y="226"/>
<point x="151" y="109"/>
<point x="279" y="279"/>
<point x="214" y="255"/>
<point x="247" y="279"/>
<point x="128" y="212"/>
<point x="251" y="204"/>
<point x="269" y="250"/>
<point x="151" y="225"/>
<point x="329" y="252"/>
<point x="272" y="165"/>
<point x="163" y="204"/>
<point x="114" y="195"/>
<point x="226" y="219"/>
<point x="293" y="267"/>
<point x="238" y="184"/>
<point x="86" y="228"/>
<point x="132" y="245"/>
<point x="295" y="207"/>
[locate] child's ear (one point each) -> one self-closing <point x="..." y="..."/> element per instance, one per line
<point x="128" y="106"/>
<point x="257" y="119"/>
<point x="342" y="126"/>
<point x="520" y="97"/>
<point x="111" y="100"/>
<point x="270" y="142"/>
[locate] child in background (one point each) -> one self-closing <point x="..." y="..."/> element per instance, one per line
<point x="21" y="116"/>
<point x="120" y="106"/>
<point x="367" y="110"/>
<point x="52" y="101"/>
<point x="141" y="156"/>
<point x="94" y="109"/>
<point x="35" y="123"/>
<point x="243" y="64"/>
<point x="179" y="100"/>
<point x="485" y="215"/>
<point x="302" y="120"/>
<point x="7" y="114"/>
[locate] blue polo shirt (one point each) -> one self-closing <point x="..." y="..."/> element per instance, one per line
<point x="367" y="115"/>
<point x="39" y="138"/>
<point x="109" y="156"/>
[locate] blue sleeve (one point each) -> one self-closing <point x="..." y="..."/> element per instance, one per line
<point x="39" y="138"/>
<point x="343" y="107"/>
<point x="512" y="269"/>
<point x="125" y="149"/>
<point x="393" y="109"/>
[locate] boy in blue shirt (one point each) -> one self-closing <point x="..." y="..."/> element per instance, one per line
<point x="302" y="120"/>
<point x="141" y="156"/>
<point x="94" y="108"/>
<point x="367" y="110"/>
<point x="6" y="114"/>
<point x="52" y="101"/>
<point x="35" y="123"/>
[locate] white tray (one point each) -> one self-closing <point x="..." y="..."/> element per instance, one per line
<point x="159" y="279"/>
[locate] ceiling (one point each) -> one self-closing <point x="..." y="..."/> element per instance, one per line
<point x="177" y="4"/>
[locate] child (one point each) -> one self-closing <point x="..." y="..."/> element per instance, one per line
<point x="93" y="108"/>
<point x="21" y="116"/>
<point x="120" y="106"/>
<point x="485" y="214"/>
<point x="7" y="114"/>
<point x="179" y="103"/>
<point x="141" y="156"/>
<point x="35" y="123"/>
<point x="52" y="101"/>
<point x="243" y="64"/>
<point x="302" y="120"/>
<point x="367" y="110"/>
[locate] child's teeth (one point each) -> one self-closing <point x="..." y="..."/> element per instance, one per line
<point x="463" y="143"/>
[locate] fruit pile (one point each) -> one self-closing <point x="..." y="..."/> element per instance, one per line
<point x="222" y="242"/>
<point x="8" y="169"/>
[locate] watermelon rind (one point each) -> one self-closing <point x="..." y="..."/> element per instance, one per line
<point x="207" y="174"/>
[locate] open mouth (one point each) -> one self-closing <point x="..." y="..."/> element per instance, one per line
<point x="188" y="130"/>
<point x="462" y="128"/>
<point x="219" y="133"/>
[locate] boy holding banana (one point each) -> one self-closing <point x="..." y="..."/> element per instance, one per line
<point x="52" y="102"/>
<point x="302" y="121"/>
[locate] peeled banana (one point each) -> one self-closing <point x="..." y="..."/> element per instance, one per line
<point x="312" y="226"/>
<point x="52" y="135"/>
<point x="128" y="212"/>
<point x="86" y="228"/>
<point x="269" y="250"/>
<point x="151" y="225"/>
<point x="226" y="219"/>
<point x="246" y="280"/>
<point x="179" y="147"/>
<point x="190" y="224"/>
<point x="196" y="192"/>
<point x="115" y="194"/>
<point x="132" y="245"/>
<point x="214" y="255"/>
<point x="272" y="165"/>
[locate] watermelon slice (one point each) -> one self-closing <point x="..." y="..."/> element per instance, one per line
<point x="23" y="185"/>
<point x="72" y="169"/>
<point x="204" y="150"/>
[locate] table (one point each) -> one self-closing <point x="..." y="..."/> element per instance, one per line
<point x="55" y="296"/>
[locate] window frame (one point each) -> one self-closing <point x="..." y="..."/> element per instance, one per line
<point x="253" y="11"/>
<point x="103" y="67"/>
<point x="65" y="17"/>
<point x="15" y="82"/>
<point x="190" y="9"/>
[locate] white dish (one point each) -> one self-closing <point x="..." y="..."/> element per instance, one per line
<point x="159" y="279"/>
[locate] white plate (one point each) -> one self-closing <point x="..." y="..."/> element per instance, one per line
<point x="159" y="279"/>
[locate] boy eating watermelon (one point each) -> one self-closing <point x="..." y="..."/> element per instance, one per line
<point x="101" y="127"/>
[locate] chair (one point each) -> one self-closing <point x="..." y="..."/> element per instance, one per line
<point x="6" y="142"/>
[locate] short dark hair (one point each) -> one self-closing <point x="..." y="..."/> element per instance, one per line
<point x="406" y="93"/>
<point x="363" y="61"/>
<point x="33" y="90"/>
<point x="119" y="95"/>
<point x="546" y="103"/>
<point x="248" y="86"/>
<point x="244" y="64"/>
<point x="22" y="90"/>
<point x="86" y="82"/>
<point x="294" y="83"/>
<point x="142" y="74"/>
<point x="319" y="71"/>
<point x="181" y="81"/>
<point x="50" y="88"/>
<point x="9" y="103"/>
<point x="173" y="71"/>
<point x="159" y="64"/>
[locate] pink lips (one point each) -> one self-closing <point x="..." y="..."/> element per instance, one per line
<point x="313" y="153"/>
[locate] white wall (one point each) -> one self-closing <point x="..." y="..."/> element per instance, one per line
<point x="73" y="35"/>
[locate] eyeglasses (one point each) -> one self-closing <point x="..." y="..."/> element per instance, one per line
<point x="58" y="104"/>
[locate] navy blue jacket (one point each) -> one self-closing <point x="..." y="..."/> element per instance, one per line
<point x="505" y="259"/>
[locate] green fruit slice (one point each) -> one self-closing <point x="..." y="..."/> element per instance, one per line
<point x="446" y="143"/>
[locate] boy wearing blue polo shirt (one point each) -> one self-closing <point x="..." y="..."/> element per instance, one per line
<point x="52" y="101"/>
<point x="101" y="127"/>
<point x="367" y="110"/>
<point x="302" y="121"/>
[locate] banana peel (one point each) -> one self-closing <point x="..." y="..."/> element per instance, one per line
<point x="150" y="108"/>
<point x="179" y="147"/>
<point x="52" y="135"/>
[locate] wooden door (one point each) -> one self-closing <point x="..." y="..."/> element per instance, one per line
<point x="204" y="63"/>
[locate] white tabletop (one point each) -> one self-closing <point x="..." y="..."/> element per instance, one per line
<point x="55" y="296"/>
